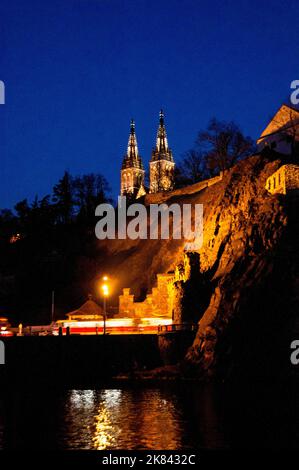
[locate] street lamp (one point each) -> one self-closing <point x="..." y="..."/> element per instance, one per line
<point x="105" y="290"/>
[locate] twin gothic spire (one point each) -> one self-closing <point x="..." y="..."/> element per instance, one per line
<point x="161" y="164"/>
<point x="160" y="152"/>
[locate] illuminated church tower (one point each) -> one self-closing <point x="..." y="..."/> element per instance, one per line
<point x="132" y="172"/>
<point x="162" y="163"/>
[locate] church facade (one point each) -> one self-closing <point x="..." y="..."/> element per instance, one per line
<point x="161" y="171"/>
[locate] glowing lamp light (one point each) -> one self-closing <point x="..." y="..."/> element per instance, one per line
<point x="105" y="286"/>
<point x="105" y="290"/>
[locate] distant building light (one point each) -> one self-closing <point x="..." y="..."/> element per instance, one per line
<point x="15" y="238"/>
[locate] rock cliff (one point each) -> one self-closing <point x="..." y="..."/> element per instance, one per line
<point x="251" y="259"/>
<point x="245" y="295"/>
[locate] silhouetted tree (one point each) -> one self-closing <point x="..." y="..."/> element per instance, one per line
<point x="190" y="169"/>
<point x="43" y="214"/>
<point x="57" y="248"/>
<point x="222" y="145"/>
<point x="22" y="209"/>
<point x="89" y="191"/>
<point x="63" y="197"/>
<point x="180" y="179"/>
<point x="8" y="224"/>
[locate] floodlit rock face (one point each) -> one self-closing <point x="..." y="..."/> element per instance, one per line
<point x="251" y="254"/>
<point x="244" y="294"/>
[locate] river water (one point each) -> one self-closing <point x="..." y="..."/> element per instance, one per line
<point x="170" y="417"/>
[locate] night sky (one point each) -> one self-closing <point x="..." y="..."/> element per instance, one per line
<point x="77" y="71"/>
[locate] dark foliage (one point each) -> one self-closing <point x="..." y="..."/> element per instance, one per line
<point x="217" y="148"/>
<point x="50" y="245"/>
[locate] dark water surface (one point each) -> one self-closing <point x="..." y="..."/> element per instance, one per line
<point x="170" y="417"/>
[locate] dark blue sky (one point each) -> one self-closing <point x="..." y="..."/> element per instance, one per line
<point x="76" y="71"/>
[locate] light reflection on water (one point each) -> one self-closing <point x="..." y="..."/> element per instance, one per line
<point x="186" y="416"/>
<point x="122" y="419"/>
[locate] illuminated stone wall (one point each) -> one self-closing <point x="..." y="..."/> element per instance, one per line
<point x="156" y="304"/>
<point x="168" y="298"/>
<point x="159" y="198"/>
<point x="126" y="303"/>
<point x="285" y="179"/>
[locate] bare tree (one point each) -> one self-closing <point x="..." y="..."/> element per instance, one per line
<point x="191" y="166"/>
<point x="222" y="145"/>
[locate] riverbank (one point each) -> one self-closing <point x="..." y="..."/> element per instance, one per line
<point x="77" y="360"/>
<point x="110" y="361"/>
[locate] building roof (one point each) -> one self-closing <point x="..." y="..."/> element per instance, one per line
<point x="284" y="119"/>
<point x="89" y="308"/>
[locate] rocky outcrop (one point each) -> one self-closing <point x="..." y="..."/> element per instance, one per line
<point x="244" y="295"/>
<point x="251" y="254"/>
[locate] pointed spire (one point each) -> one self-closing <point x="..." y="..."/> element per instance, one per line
<point x="162" y="151"/>
<point x="162" y="163"/>
<point x="132" y="158"/>
<point x="132" y="144"/>
<point x="162" y="144"/>
<point x="132" y="127"/>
